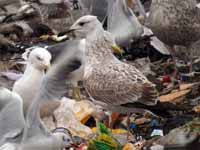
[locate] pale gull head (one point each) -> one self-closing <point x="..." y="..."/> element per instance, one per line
<point x="39" y="58"/>
<point x="86" y="25"/>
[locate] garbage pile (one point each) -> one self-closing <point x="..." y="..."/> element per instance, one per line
<point x="175" y="124"/>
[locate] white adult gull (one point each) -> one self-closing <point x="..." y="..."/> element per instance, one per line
<point x="37" y="61"/>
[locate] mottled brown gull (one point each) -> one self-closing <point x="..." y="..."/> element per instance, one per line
<point x="175" y="22"/>
<point x="107" y="79"/>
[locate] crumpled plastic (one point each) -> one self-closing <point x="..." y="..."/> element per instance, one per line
<point x="67" y="118"/>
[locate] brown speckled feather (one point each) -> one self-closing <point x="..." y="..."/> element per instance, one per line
<point x="112" y="81"/>
<point x="175" y="22"/>
<point x="118" y="83"/>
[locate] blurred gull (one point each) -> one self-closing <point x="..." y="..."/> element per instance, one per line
<point x="78" y="75"/>
<point x="14" y="124"/>
<point x="31" y="134"/>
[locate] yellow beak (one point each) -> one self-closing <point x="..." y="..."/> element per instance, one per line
<point x="47" y="66"/>
<point x="117" y="50"/>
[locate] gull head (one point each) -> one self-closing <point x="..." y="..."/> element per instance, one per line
<point x="85" y="25"/>
<point x="39" y="58"/>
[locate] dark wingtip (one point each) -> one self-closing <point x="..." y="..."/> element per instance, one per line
<point x="75" y="64"/>
<point x="149" y="94"/>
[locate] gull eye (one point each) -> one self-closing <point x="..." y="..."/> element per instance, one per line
<point x="38" y="58"/>
<point x="81" y="23"/>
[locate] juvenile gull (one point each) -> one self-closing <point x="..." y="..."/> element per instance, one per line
<point x="35" y="134"/>
<point x="107" y="79"/>
<point x="175" y="22"/>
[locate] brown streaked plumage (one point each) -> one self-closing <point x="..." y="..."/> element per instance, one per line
<point x="107" y="79"/>
<point x="175" y="22"/>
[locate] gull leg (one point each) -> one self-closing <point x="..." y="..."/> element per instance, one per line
<point x="117" y="50"/>
<point x="76" y="93"/>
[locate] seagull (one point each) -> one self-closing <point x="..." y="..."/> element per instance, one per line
<point x="38" y="60"/>
<point x="13" y="123"/>
<point x="175" y="22"/>
<point x="78" y="75"/>
<point x="109" y="81"/>
<point x="30" y="133"/>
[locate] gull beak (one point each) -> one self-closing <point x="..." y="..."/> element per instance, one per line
<point x="65" y="32"/>
<point x="47" y="67"/>
<point x="71" y="29"/>
<point x="117" y="50"/>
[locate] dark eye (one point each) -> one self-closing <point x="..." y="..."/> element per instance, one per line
<point x="81" y="23"/>
<point x="38" y="57"/>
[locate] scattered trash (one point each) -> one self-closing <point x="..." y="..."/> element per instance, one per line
<point x="175" y="72"/>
